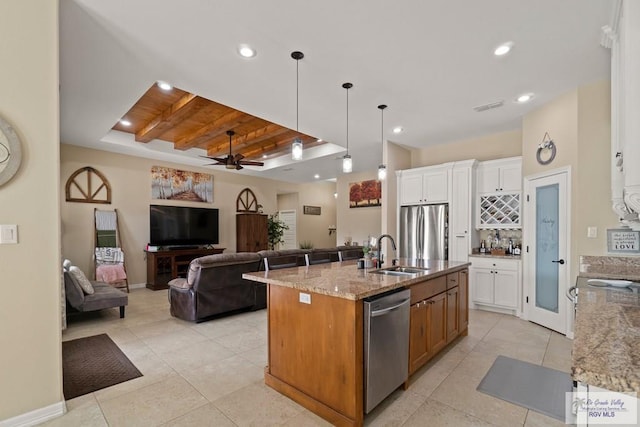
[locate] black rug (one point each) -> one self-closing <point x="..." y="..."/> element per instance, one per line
<point x="93" y="363"/>
<point x="531" y="386"/>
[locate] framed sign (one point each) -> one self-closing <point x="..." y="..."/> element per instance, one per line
<point x="623" y="241"/>
<point x="311" y="210"/>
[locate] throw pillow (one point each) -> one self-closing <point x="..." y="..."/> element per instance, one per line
<point x="66" y="264"/>
<point x="81" y="279"/>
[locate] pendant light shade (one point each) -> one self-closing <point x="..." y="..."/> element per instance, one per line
<point x="347" y="162"/>
<point x="382" y="169"/>
<point x="296" y="145"/>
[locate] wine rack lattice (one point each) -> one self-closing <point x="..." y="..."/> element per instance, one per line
<point x="500" y="210"/>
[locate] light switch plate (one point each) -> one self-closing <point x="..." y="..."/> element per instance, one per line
<point x="8" y="234"/>
<point x="592" y="232"/>
<point x="305" y="298"/>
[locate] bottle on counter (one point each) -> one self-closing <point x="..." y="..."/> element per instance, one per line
<point x="510" y="248"/>
<point x="496" y="241"/>
<point x="517" y="249"/>
<point x="483" y="248"/>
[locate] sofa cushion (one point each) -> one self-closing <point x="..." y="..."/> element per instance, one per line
<point x="105" y="296"/>
<point x="73" y="291"/>
<point x="81" y="280"/>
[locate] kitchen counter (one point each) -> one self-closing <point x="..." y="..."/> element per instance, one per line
<point x="345" y="280"/>
<point x="606" y="347"/>
<point x="487" y="255"/>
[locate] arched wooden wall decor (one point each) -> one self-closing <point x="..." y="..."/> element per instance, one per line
<point x="246" y="201"/>
<point x="90" y="186"/>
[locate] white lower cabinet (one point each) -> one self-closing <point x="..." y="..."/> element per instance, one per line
<point x="495" y="283"/>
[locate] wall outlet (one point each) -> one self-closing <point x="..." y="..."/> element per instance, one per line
<point x="592" y="232"/>
<point x="305" y="298"/>
<point x="8" y="234"/>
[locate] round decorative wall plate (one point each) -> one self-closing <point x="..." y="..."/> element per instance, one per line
<point x="10" y="152"/>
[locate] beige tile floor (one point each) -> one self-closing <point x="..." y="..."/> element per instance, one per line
<point x="211" y="374"/>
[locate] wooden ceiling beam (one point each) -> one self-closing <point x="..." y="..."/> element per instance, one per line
<point x="168" y="118"/>
<point x="253" y="137"/>
<point x="212" y="130"/>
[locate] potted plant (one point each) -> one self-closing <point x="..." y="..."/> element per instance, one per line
<point x="275" y="228"/>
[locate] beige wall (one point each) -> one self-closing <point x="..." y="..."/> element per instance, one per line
<point x="358" y="223"/>
<point x="312" y="228"/>
<point x="580" y="125"/>
<point x="489" y="147"/>
<point x="30" y="362"/>
<point x="396" y="158"/>
<point x="131" y="194"/>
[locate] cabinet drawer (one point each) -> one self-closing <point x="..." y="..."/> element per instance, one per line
<point x="494" y="263"/>
<point x="452" y="280"/>
<point x="427" y="289"/>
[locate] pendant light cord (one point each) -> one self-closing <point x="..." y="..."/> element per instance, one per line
<point x="297" y="93"/>
<point x="347" y="120"/>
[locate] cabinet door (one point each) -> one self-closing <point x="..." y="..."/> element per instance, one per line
<point x="488" y="179"/>
<point x="482" y="285"/>
<point x="511" y="178"/>
<point x="506" y="288"/>
<point x="463" y="291"/>
<point x="418" y="351"/>
<point x="437" y="321"/>
<point x="411" y="189"/>
<point x="453" y="309"/>
<point x="435" y="187"/>
<point x="460" y="200"/>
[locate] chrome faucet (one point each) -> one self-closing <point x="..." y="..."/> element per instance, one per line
<point x="393" y="245"/>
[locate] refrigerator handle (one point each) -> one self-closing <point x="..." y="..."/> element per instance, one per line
<point x="420" y="230"/>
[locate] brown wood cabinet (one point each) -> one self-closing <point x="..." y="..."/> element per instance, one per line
<point x="439" y="313"/>
<point x="162" y="266"/>
<point x="251" y="232"/>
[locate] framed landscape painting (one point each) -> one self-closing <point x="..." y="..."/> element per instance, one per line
<point x="365" y="194"/>
<point x="174" y="184"/>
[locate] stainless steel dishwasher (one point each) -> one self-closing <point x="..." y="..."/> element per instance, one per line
<point x="386" y="345"/>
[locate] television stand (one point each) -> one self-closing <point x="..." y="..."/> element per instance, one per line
<point x="163" y="266"/>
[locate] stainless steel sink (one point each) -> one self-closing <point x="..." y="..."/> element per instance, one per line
<point x="400" y="271"/>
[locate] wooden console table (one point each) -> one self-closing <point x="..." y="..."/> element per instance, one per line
<point x="162" y="266"/>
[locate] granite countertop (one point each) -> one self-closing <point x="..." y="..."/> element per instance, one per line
<point x="606" y="346"/>
<point x="345" y="280"/>
<point x="488" y="255"/>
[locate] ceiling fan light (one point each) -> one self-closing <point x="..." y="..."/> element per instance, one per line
<point x="382" y="172"/>
<point x="296" y="149"/>
<point x="347" y="164"/>
<point x="230" y="166"/>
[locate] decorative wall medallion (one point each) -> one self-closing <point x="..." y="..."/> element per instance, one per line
<point x="10" y="152"/>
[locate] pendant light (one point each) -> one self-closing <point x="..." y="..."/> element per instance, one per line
<point x="347" y="163"/>
<point x="296" y="145"/>
<point x="382" y="169"/>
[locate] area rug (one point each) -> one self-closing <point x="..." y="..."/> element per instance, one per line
<point x="93" y="363"/>
<point x="531" y="386"/>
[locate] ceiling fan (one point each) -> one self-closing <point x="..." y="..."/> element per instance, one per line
<point x="231" y="161"/>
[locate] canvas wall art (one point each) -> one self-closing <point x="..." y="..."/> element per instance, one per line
<point x="365" y="194"/>
<point x="174" y="184"/>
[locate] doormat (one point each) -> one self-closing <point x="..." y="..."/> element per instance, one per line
<point x="93" y="363"/>
<point x="531" y="386"/>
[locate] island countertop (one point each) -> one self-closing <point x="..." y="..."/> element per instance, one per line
<point x="606" y="347"/>
<point x="345" y="280"/>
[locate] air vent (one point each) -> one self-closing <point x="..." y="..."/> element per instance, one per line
<point x="485" y="107"/>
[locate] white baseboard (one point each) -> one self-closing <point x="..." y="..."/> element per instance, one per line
<point x="137" y="286"/>
<point x="36" y="416"/>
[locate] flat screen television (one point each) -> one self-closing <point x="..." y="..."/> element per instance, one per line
<point x="182" y="226"/>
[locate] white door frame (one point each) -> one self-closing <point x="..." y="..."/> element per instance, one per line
<point x="528" y="269"/>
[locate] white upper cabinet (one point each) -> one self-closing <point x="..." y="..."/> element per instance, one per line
<point x="461" y="238"/>
<point x="425" y="185"/>
<point x="503" y="175"/>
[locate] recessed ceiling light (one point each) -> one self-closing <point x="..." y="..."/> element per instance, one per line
<point x="503" y="49"/>
<point x="525" y="97"/>
<point x="164" y="85"/>
<point x="397" y="129"/>
<point x="124" y="122"/>
<point x="246" y="51"/>
<point x="316" y="176"/>
<point x="264" y="156"/>
<point x="319" y="140"/>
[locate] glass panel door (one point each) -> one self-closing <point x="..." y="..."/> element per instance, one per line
<point x="547" y="251"/>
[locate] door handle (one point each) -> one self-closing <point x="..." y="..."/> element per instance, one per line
<point x="559" y="261"/>
<point x="384" y="311"/>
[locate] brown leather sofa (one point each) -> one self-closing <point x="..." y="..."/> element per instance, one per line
<point x="214" y="283"/>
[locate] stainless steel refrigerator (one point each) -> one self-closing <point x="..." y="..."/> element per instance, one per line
<point x="424" y="232"/>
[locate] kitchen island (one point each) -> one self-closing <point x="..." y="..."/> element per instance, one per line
<point x="315" y="328"/>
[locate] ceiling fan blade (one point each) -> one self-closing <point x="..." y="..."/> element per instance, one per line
<point x="238" y="166"/>
<point x="217" y="159"/>
<point x="238" y="157"/>
<point x="251" y="163"/>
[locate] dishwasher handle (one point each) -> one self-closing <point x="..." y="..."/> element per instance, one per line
<point x="386" y="310"/>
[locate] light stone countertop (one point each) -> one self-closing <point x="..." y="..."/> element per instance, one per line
<point x="606" y="346"/>
<point x="345" y="280"/>
<point x="486" y="255"/>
